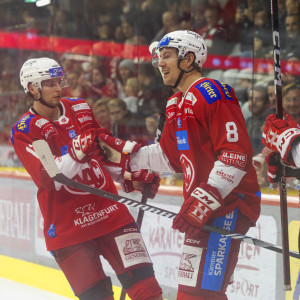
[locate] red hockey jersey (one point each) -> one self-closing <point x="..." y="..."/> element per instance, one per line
<point x="205" y="137"/>
<point x="70" y="216"/>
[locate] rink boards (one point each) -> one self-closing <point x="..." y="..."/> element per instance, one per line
<point x="24" y="257"/>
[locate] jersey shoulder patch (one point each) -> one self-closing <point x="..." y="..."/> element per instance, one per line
<point x="173" y="100"/>
<point x="210" y="90"/>
<point x="76" y="104"/>
<point x="24" y="123"/>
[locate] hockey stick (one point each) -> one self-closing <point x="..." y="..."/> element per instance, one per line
<point x="44" y="153"/>
<point x="279" y="113"/>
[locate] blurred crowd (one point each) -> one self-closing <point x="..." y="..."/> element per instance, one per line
<point x="127" y="94"/>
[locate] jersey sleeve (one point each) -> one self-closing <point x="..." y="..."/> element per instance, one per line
<point x="22" y="140"/>
<point x="150" y="157"/>
<point x="218" y="110"/>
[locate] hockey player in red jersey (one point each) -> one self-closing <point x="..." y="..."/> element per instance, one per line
<point x="78" y="226"/>
<point x="206" y="139"/>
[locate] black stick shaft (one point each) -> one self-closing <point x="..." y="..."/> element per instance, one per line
<point x="279" y="113"/>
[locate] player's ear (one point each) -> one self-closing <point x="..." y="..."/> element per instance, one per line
<point x="189" y="59"/>
<point x="34" y="91"/>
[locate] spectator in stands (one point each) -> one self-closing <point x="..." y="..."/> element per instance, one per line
<point x="124" y="124"/>
<point x="99" y="85"/>
<point x="121" y="119"/>
<point x="290" y="72"/>
<point x="105" y="31"/>
<point x="198" y="19"/>
<point x="241" y="31"/>
<point x="244" y="84"/>
<point x="169" y="23"/>
<point x="292" y="7"/>
<point x="128" y="31"/>
<point x="290" y="41"/>
<point x="119" y="35"/>
<point x="62" y="24"/>
<point x="151" y="86"/>
<point x="132" y="89"/>
<point x="101" y="112"/>
<point x="259" y="107"/>
<point x="213" y="32"/>
<point x="126" y="69"/>
<point x="75" y="89"/>
<point x="150" y="17"/>
<point x="291" y="101"/>
<point x="151" y="124"/>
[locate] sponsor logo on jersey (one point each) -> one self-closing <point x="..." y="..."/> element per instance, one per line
<point x="48" y="131"/>
<point x="64" y="149"/>
<point x="224" y="176"/>
<point x="39" y="123"/>
<point x="80" y="106"/>
<point x="190" y="96"/>
<point x="170" y="114"/>
<point x="234" y="159"/>
<point x="88" y="215"/>
<point x="132" y="249"/>
<point x="188" y="170"/>
<point x="52" y="231"/>
<point x="172" y="101"/>
<point x="217" y="253"/>
<point x="188" y="111"/>
<point x="84" y="119"/>
<point x="192" y="241"/>
<point x="189" y="265"/>
<point x="179" y="123"/>
<point x="225" y="88"/>
<point x="182" y="140"/>
<point x="72" y="134"/>
<point x="23" y="124"/>
<point x="209" y="91"/>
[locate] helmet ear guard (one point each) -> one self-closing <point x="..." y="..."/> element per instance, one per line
<point x="37" y="70"/>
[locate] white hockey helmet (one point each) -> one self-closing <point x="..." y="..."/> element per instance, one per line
<point x="36" y="70"/>
<point x="185" y="41"/>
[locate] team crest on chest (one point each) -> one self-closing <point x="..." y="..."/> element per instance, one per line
<point x="188" y="170"/>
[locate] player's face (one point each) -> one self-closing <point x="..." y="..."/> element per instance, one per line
<point x="168" y="58"/>
<point x="52" y="91"/>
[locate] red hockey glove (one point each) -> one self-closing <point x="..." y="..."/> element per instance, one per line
<point x="83" y="146"/>
<point x="279" y="135"/>
<point x="138" y="180"/>
<point x="117" y="156"/>
<point x="273" y="162"/>
<point x="197" y="209"/>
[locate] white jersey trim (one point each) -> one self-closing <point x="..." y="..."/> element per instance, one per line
<point x="225" y="178"/>
<point x="150" y="157"/>
<point x="296" y="154"/>
<point x="69" y="167"/>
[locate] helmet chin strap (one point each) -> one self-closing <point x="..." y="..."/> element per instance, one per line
<point x="181" y="73"/>
<point x="42" y="101"/>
